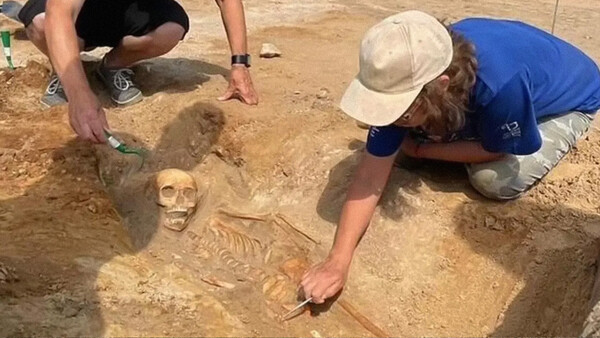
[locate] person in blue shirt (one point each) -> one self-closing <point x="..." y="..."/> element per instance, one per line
<point x="505" y="98"/>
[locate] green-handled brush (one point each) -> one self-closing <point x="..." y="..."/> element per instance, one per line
<point x="121" y="147"/>
<point x="123" y="172"/>
<point x="6" y="48"/>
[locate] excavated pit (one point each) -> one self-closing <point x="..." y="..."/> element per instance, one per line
<point x="83" y="250"/>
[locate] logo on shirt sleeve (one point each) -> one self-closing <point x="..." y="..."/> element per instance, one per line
<point x="511" y="130"/>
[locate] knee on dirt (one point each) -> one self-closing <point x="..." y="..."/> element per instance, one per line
<point x="486" y="182"/>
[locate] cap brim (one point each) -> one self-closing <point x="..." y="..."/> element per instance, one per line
<point x="374" y="108"/>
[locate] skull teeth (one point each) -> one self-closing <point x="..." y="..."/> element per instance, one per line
<point x="177" y="215"/>
<point x="171" y="211"/>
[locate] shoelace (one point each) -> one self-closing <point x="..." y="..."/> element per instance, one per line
<point x="54" y="85"/>
<point x="122" y="79"/>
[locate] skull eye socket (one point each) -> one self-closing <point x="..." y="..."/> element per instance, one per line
<point x="189" y="193"/>
<point x="168" y="191"/>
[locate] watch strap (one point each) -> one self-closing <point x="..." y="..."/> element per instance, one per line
<point x="241" y="59"/>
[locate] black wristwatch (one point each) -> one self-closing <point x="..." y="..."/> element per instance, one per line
<point x="241" y="60"/>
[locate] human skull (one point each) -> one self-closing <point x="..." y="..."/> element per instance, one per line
<point x="177" y="198"/>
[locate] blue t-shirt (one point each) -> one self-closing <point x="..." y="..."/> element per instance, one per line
<point x="523" y="74"/>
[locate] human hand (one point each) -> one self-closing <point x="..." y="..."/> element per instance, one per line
<point x="324" y="280"/>
<point x="240" y="86"/>
<point x="87" y="118"/>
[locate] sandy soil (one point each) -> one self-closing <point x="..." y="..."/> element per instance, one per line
<point x="84" y="253"/>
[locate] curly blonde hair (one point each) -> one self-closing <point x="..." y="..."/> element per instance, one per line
<point x="446" y="109"/>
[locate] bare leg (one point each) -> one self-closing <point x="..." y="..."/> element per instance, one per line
<point x="130" y="50"/>
<point x="37" y="34"/>
<point x="113" y="70"/>
<point x="136" y="48"/>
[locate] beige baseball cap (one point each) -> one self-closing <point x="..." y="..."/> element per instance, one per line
<point x="398" y="56"/>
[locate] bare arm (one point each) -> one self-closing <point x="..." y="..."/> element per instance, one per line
<point x="240" y="82"/>
<point x="365" y="190"/>
<point x="232" y="13"/>
<point x="327" y="278"/>
<point x="85" y="114"/>
<point x="459" y="151"/>
<point x="63" y="45"/>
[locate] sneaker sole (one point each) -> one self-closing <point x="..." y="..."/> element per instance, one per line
<point x="46" y="105"/>
<point x="136" y="99"/>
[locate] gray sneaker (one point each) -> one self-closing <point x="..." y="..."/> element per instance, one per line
<point x="55" y="93"/>
<point x="119" y="81"/>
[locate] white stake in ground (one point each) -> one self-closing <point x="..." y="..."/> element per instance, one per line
<point x="6" y="47"/>
<point x="554" y="18"/>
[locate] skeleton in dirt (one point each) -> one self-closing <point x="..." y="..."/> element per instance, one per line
<point x="264" y="249"/>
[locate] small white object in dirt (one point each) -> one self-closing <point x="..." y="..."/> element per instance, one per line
<point x="500" y="320"/>
<point x="92" y="208"/>
<point x="7" y="274"/>
<point x="315" y="333"/>
<point x="269" y="50"/>
<point x="490" y="221"/>
<point x="323" y="93"/>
